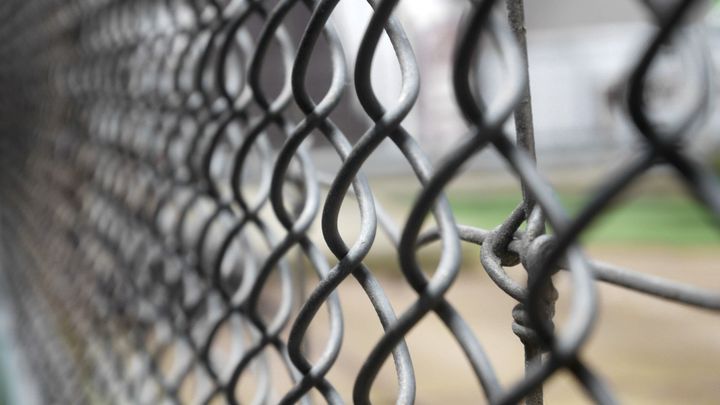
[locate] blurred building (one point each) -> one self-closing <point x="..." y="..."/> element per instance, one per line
<point x="580" y="54"/>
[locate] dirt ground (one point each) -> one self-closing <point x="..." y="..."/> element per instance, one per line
<point x="648" y="350"/>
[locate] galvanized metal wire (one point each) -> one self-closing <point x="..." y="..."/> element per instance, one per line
<point x="133" y="230"/>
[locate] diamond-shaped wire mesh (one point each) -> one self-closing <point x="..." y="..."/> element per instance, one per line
<point x="159" y="182"/>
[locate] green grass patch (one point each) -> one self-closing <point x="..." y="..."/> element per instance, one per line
<point x="643" y="219"/>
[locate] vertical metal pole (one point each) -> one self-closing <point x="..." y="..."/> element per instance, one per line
<point x="525" y="136"/>
<point x="533" y="357"/>
<point x="523" y="112"/>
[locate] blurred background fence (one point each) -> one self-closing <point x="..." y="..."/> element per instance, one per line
<point x="249" y="201"/>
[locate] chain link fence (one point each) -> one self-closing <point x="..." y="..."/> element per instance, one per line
<point x="159" y="183"/>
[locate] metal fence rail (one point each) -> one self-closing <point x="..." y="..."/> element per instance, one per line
<point x="132" y="233"/>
